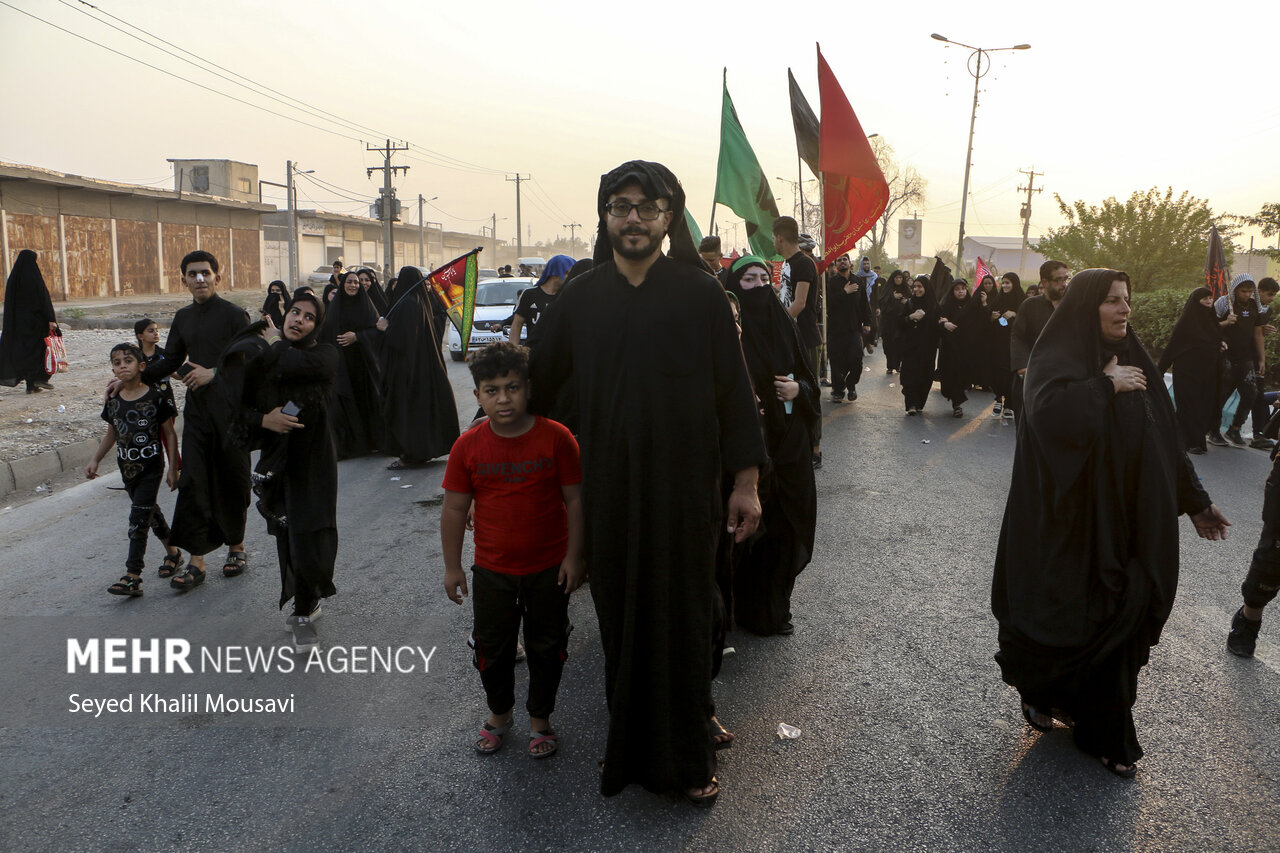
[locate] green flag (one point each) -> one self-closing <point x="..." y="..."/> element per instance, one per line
<point x="693" y="226"/>
<point x="740" y="182"/>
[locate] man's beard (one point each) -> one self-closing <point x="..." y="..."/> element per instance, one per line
<point x="638" y="253"/>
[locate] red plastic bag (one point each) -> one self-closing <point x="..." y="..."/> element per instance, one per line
<point x="55" y="355"/>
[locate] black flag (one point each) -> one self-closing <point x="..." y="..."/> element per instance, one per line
<point x="806" y="124"/>
<point x="940" y="279"/>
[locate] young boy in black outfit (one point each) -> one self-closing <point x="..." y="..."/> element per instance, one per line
<point x="137" y="416"/>
<point x="524" y="475"/>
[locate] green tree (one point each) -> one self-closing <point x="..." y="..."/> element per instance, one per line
<point x="1160" y="240"/>
<point x="1268" y="219"/>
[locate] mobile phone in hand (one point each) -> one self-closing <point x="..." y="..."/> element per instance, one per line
<point x="186" y="368"/>
<point x="291" y="409"/>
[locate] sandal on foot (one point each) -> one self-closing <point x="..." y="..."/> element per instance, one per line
<point x="171" y="564"/>
<point x="127" y="585"/>
<point x="189" y="579"/>
<point x="1029" y="714"/>
<point x="721" y="737"/>
<point x="705" y="801"/>
<point x="236" y="563"/>
<point x="537" y="739"/>
<point x="1114" y="766"/>
<point x="492" y="737"/>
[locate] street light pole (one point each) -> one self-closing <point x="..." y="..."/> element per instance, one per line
<point x="978" y="73"/>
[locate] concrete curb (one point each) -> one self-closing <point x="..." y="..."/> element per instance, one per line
<point x="25" y="474"/>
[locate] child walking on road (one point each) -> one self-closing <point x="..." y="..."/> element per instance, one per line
<point x="137" y="417"/>
<point x="524" y="475"/>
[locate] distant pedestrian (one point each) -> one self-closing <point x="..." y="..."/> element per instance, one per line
<point x="956" y="322"/>
<point x="1004" y="313"/>
<point x="848" y="321"/>
<point x="713" y="255"/>
<point x="273" y="305"/>
<point x="1241" y="321"/>
<point x="889" y="316"/>
<point x="138" y="417"/>
<point x="1033" y="314"/>
<point x="919" y="340"/>
<point x="1087" y="566"/>
<point x="1195" y="354"/>
<point x="1261" y="411"/>
<point x="28" y="320"/>
<point x="355" y="412"/>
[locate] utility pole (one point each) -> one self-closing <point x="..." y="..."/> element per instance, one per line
<point x="519" y="242"/>
<point x="421" y="256"/>
<point x="387" y="210"/>
<point x="493" y="232"/>
<point x="1026" y="212"/>
<point x="293" y="226"/>
<point x="573" y="240"/>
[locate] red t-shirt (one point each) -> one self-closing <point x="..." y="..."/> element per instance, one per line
<point x="521" y="526"/>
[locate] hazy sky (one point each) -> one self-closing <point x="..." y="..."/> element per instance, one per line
<point x="1113" y="97"/>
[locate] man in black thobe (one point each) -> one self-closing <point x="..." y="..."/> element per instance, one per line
<point x="664" y="403"/>
<point x="213" y="492"/>
<point x="1033" y="314"/>
<point x="848" y="320"/>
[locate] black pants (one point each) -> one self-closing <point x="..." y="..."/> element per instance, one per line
<point x="144" y="515"/>
<point x="1242" y="379"/>
<point x="846" y="363"/>
<point x="1260" y="410"/>
<point x="1260" y="585"/>
<point x="499" y="603"/>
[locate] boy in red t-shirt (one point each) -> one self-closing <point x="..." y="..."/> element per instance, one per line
<point x="523" y="473"/>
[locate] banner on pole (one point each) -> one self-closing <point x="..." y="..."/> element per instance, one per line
<point x="909" y="239"/>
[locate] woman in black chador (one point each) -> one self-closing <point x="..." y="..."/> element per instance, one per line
<point x="956" y="321"/>
<point x="1087" y="564"/>
<point x="28" y="320"/>
<point x="287" y="390"/>
<point x="1195" y="352"/>
<point x="919" y="342"/>
<point x="890" y="307"/>
<point x="273" y="305"/>
<point x="1004" y="310"/>
<point x="350" y="325"/>
<point x="789" y="411"/>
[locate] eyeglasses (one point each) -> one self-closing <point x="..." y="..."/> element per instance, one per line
<point x="1060" y="278"/>
<point x="648" y="210"/>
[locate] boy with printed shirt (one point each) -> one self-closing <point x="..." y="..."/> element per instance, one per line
<point x="137" y="417"/>
<point x="524" y="474"/>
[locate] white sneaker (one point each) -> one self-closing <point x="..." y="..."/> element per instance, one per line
<point x="292" y="618"/>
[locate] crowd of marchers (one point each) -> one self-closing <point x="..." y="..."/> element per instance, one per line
<point x="659" y="437"/>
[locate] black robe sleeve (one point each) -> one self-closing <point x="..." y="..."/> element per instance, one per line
<point x="174" y="353"/>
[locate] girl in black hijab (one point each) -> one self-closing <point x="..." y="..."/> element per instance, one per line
<point x="1004" y="310"/>
<point x="273" y="306"/>
<point x="919" y="337"/>
<point x="889" y="307"/>
<point x="789" y="412"/>
<point x="350" y="325"/>
<point x="28" y="320"/>
<point x="955" y="320"/>
<point x="984" y="295"/>
<point x="369" y="282"/>
<point x="1195" y="353"/>
<point x="1087" y="564"/>
<point x="287" y="391"/>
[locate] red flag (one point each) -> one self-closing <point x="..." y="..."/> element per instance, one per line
<point x="1215" y="266"/>
<point x="854" y="191"/>
<point x="980" y="272"/>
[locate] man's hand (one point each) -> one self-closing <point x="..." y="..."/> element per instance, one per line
<point x="115" y="383"/>
<point x="744" y="509"/>
<point x="171" y="478"/>
<point x="198" y="377"/>
<point x="1229" y="320"/>
<point x="381" y="325"/>
<point x="1126" y="378"/>
<point x="277" y="421"/>
<point x="570" y="576"/>
<point x="1211" y="523"/>
<point x="455" y="584"/>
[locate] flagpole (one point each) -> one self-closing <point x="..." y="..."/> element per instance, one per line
<point x="822" y="196"/>
<point x="800" y="189"/>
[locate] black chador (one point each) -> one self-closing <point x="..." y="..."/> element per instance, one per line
<point x="847" y="313"/>
<point x="1087" y="564"/>
<point x="918" y="340"/>
<point x="356" y="411"/>
<point x="296" y="478"/>
<point x="28" y="311"/>
<point x="766" y="571"/>
<point x="213" y="492"/>
<point x="664" y="406"/>
<point x="1195" y="353"/>
<point x="955" y="346"/>
<point x="419" y="412"/>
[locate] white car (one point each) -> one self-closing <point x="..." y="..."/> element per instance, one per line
<point x="496" y="299"/>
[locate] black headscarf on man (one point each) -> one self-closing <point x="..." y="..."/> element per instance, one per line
<point x="656" y="181"/>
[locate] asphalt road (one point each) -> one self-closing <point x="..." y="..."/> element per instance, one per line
<point x="909" y="740"/>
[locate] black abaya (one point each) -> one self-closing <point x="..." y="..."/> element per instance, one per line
<point x="355" y="413"/>
<point x="1087" y="564"/>
<point x="955" y="345"/>
<point x="419" y="412"/>
<point x="28" y="311"/>
<point x="1195" y="353"/>
<point x="1001" y="337"/>
<point x="919" y="342"/>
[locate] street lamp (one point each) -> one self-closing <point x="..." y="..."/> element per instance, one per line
<point x="978" y="73"/>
